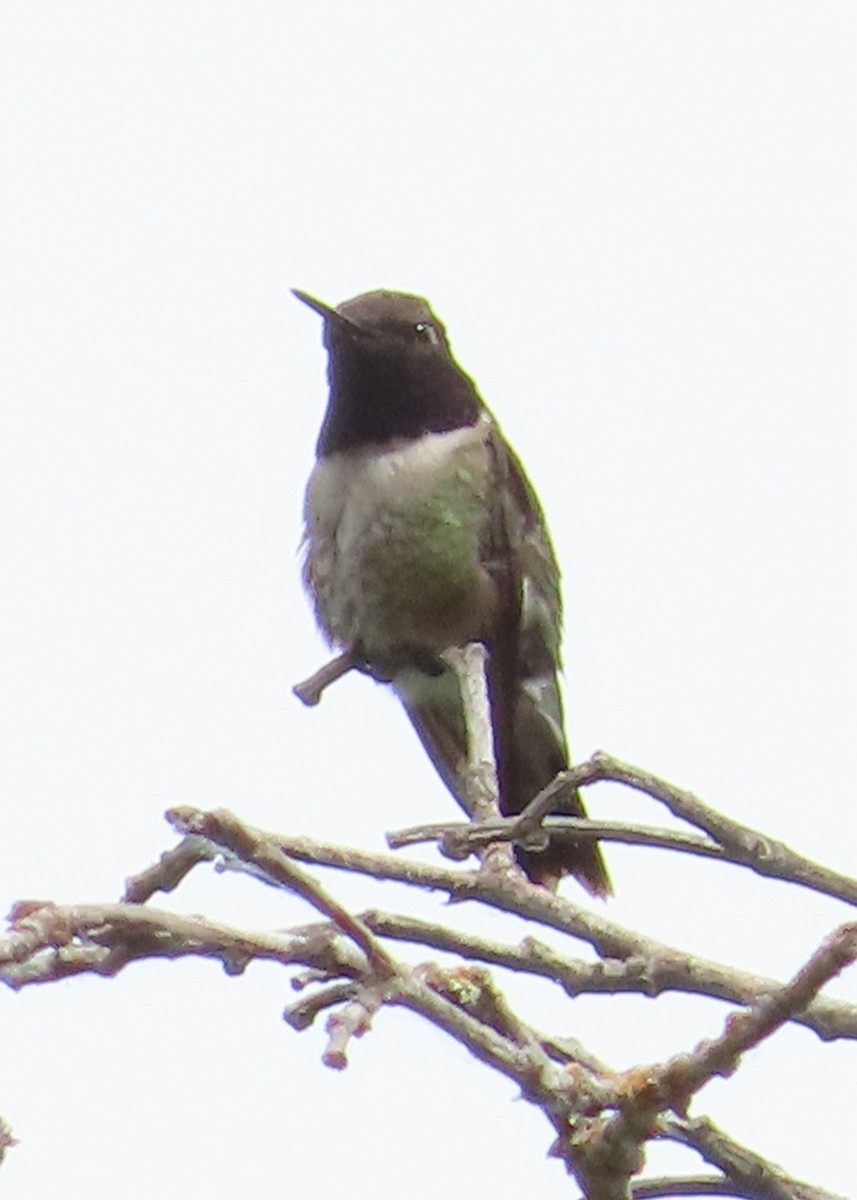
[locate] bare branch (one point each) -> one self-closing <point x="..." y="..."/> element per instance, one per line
<point x="302" y="1014"/>
<point x="272" y="861"/>
<point x="643" y="1093"/>
<point x="450" y="1000"/>
<point x="763" y="854"/>
<point x="686" y="1074"/>
<point x="353" y="1020"/>
<point x="170" y="869"/>
<point x="727" y="840"/>
<point x="49" y="942"/>
<point x="601" y="1120"/>
<point x="456" y="838"/>
<point x="762" y="1179"/>
<point x="481" y="788"/>
<point x="689" y="1185"/>
<point x="653" y="965"/>
<point x="309" y="692"/>
<point x="651" y="977"/>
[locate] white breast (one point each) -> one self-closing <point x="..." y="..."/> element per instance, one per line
<point x="393" y="537"/>
<point x="350" y="491"/>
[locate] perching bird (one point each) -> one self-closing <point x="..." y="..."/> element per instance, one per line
<point x="423" y="533"/>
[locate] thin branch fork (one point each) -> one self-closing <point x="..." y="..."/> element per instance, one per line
<point x="458" y="838"/>
<point x="725" y="839"/>
<point x="48" y="941"/>
<point x="462" y="1003"/>
<point x="762" y="854"/>
<point x="643" y="1095"/>
<point x="640" y="975"/>
<point x="743" y="1167"/>
<point x="684" y="1076"/>
<point x="357" y="975"/>
<point x="672" y="1085"/>
<point x="265" y="855"/>
<point x="654" y="965"/>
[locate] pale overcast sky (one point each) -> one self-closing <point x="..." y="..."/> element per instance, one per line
<point x="638" y="222"/>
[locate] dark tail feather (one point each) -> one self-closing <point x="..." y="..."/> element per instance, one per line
<point x="531" y="751"/>
<point x="539" y="753"/>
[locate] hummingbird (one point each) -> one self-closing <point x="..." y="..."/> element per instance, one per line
<point x="423" y="534"/>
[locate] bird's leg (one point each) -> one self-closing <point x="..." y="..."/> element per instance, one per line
<point x="402" y="658"/>
<point x="309" y="692"/>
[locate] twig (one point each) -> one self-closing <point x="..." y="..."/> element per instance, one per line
<point x="309" y="692"/>
<point x="762" y="1179"/>
<point x="358" y="975"/>
<point x="302" y="1014"/>
<point x="657" y="966"/>
<point x="727" y="840"/>
<point x="523" y="1060"/>
<point x="646" y="976"/>
<point x="690" y="1185"/>
<point x="457" y="836"/>
<point x="168" y="872"/>
<point x="643" y="1093"/>
<point x="468" y="664"/>
<point x="142" y="933"/>
<point x="480" y="783"/>
<point x="265" y="855"/>
<point x="763" y="854"/>
<point x="48" y="942"/>
<point x="686" y="1074"/>
<point x="354" y="1019"/>
<point x="601" y="1120"/>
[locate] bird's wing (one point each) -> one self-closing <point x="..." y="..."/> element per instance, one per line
<point x="523" y="662"/>
<point x="523" y="666"/>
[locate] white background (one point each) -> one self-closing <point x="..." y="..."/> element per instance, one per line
<point x="637" y="221"/>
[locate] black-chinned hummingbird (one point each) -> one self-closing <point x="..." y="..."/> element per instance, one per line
<point x="423" y="533"/>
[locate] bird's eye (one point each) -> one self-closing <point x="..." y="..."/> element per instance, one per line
<point x="426" y="332"/>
